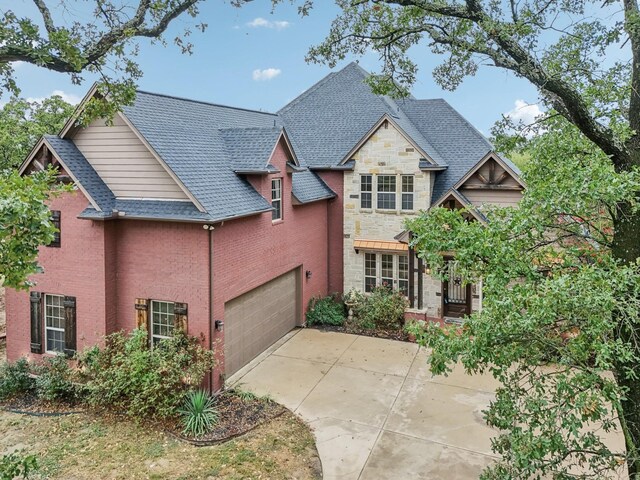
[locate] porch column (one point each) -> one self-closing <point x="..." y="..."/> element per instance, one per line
<point x="411" y="278"/>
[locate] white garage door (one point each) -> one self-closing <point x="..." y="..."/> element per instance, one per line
<point x="257" y="319"/>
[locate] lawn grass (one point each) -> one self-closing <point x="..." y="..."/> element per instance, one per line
<point x="84" y="446"/>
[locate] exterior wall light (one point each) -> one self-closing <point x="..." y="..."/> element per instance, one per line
<point x="219" y="325"/>
<point x="308" y="274"/>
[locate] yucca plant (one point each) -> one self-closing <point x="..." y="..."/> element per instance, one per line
<point x="198" y="413"/>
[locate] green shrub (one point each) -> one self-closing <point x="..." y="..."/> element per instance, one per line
<point x="15" y="378"/>
<point x="14" y="466"/>
<point x="144" y="382"/>
<point x="325" y="311"/>
<point x="55" y="380"/>
<point x="383" y="308"/>
<point x="198" y="413"/>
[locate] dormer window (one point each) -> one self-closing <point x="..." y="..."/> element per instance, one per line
<point x="276" y="199"/>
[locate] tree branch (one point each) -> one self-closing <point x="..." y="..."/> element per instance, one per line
<point x="46" y="15"/>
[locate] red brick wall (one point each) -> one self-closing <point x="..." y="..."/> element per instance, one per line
<point x="249" y="252"/>
<point x="107" y="265"/>
<point x="77" y="268"/>
<point x="163" y="261"/>
<point x="335" y="231"/>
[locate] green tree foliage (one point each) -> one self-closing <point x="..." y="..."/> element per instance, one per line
<point x="22" y="123"/>
<point x="99" y="37"/>
<point x="25" y="223"/>
<point x="560" y="320"/>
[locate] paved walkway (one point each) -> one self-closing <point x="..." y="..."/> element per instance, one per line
<point x="375" y="408"/>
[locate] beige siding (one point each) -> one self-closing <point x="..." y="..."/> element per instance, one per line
<point x="501" y="198"/>
<point x="124" y="162"/>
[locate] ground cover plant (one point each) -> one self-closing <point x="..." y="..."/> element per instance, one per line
<point x="325" y="311"/>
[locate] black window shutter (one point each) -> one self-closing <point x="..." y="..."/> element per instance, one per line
<point x="69" y="326"/>
<point x="36" y="322"/>
<point x="55" y="218"/>
<point x="180" y="320"/>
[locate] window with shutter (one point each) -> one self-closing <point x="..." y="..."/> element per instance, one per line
<point x="54" y="323"/>
<point x="162" y="321"/>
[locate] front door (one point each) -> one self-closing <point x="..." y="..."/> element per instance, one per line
<point x="456" y="296"/>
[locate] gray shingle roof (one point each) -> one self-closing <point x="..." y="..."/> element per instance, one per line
<point x="453" y="136"/>
<point x="308" y="187"/>
<point x="82" y="171"/>
<point x="149" y="209"/>
<point x="250" y="148"/>
<point x="188" y="136"/>
<point x="328" y="120"/>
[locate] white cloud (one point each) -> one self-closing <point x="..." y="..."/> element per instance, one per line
<point x="67" y="97"/>
<point x="524" y="112"/>
<point x="262" y="22"/>
<point x="266" y="74"/>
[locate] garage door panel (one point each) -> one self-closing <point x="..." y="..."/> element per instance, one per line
<point x="257" y="319"/>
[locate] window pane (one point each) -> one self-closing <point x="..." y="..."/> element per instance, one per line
<point x="386" y="183"/>
<point x="366" y="187"/>
<point x="407" y="201"/>
<point x="387" y="192"/>
<point x="162" y="320"/>
<point x="387" y="201"/>
<point x="54" y="323"/>
<point x="407" y="184"/>
<point x="387" y="270"/>
<point x="276" y="198"/>
<point x="369" y="271"/>
<point x="403" y="275"/>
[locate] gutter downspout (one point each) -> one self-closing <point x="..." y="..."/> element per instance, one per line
<point x="211" y="301"/>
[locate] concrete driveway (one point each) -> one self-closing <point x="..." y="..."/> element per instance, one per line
<point x="376" y="410"/>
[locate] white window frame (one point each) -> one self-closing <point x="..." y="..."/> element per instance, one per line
<point x="407" y="194"/>
<point x="367" y="192"/>
<point x="61" y="317"/>
<point x="169" y="315"/>
<point x="395" y="284"/>
<point x="366" y="275"/>
<point x="393" y="193"/>
<point x="276" y="197"/>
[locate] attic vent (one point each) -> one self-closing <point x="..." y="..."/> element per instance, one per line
<point x="409" y="149"/>
<point x="385" y="124"/>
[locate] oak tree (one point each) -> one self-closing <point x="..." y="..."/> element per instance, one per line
<point x="560" y="323"/>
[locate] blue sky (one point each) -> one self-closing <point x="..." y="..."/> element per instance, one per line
<point x="240" y="41"/>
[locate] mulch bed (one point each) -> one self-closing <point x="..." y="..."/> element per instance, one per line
<point x="399" y="334"/>
<point x="236" y="416"/>
<point x="30" y="404"/>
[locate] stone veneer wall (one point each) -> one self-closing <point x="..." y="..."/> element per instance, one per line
<point x="386" y="152"/>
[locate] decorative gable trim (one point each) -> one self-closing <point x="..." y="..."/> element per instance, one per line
<point x="44" y="143"/>
<point x="495" y="157"/>
<point x="464" y="201"/>
<point x="386" y="118"/>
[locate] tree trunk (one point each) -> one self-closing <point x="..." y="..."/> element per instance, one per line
<point x="626" y="247"/>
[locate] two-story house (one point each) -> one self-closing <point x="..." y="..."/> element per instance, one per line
<point x="226" y="221"/>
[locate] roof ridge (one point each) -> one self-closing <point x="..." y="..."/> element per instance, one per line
<point x="474" y="130"/>
<point x="203" y="102"/>
<point x="273" y="127"/>
<point x="320" y="82"/>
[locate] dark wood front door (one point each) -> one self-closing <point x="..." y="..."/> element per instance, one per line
<point x="456" y="296"/>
